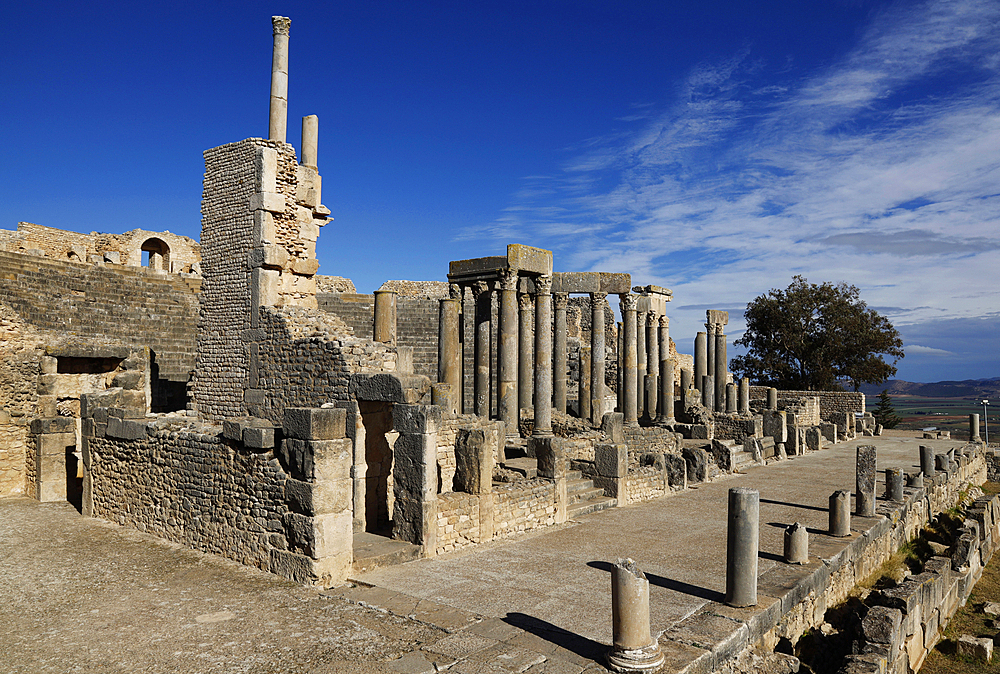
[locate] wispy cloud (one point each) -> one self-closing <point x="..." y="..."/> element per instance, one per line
<point x="881" y="170"/>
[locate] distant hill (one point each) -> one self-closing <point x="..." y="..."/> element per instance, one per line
<point x="969" y="388"/>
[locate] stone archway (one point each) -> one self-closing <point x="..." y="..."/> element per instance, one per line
<point x="159" y="253"/>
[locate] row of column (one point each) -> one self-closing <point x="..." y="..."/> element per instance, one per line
<point x="520" y="380"/>
<point x="711" y="370"/>
<point x="644" y="349"/>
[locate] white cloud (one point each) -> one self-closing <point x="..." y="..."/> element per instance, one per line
<point x="927" y="351"/>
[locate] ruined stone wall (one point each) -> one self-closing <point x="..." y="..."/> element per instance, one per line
<point x="19" y="356"/>
<point x="735" y="427"/>
<point x="184" y="482"/>
<point x="829" y="401"/>
<point x="334" y="284"/>
<point x="124" y="305"/>
<point x="642" y="439"/>
<point x="458" y="523"/>
<point x="355" y="309"/>
<point x="523" y="506"/>
<point x="645" y="483"/>
<point x="417" y="327"/>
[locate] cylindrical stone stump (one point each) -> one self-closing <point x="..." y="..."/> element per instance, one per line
<point x="927" y="461"/>
<point x="744" y="402"/>
<point x="974" y="428"/>
<point x="730" y="398"/>
<point x="700" y="358"/>
<point x="384" y="330"/>
<point x="894" y="484"/>
<point x="772" y="399"/>
<point x="840" y="513"/>
<point x="442" y="395"/>
<point x="915" y="481"/>
<point x="942" y="463"/>
<point x="741" y="546"/>
<point x="634" y="649"/>
<point x="708" y="391"/>
<point x="797" y="544"/>
<point x="686" y="380"/>
<point x="865" y="471"/>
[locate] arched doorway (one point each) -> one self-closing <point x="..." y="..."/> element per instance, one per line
<point x="155" y="254"/>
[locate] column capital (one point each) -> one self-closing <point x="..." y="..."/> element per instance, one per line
<point x="524" y="301"/>
<point x="629" y="301"/>
<point x="543" y="284"/>
<point x="454" y="291"/>
<point x="480" y="287"/>
<point x="281" y="24"/>
<point x="508" y="279"/>
<point x="598" y="297"/>
<point x="664" y="322"/>
<point x="560" y="300"/>
<point x="652" y="320"/>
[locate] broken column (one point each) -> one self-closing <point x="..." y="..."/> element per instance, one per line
<point x="597" y="356"/>
<point x="974" y="428"/>
<point x="310" y="140"/>
<point x="797" y="544"/>
<point x="666" y="415"/>
<point x="481" y="377"/>
<point x="840" y="513"/>
<point x="384" y="330"/>
<point x="744" y="404"/>
<point x="865" y="470"/>
<point x="927" y="461"/>
<point x="449" y="350"/>
<point x="507" y="403"/>
<point x="634" y="648"/>
<point x="700" y="359"/>
<point x="559" y="369"/>
<point x="730" y="398"/>
<point x="629" y="356"/>
<point x="543" y="356"/>
<point x="686" y="380"/>
<point x="772" y="399"/>
<point x="277" y="125"/>
<point x="708" y="391"/>
<point x="525" y="381"/>
<point x="894" y="484"/>
<point x="742" y="547"/>
<point x="721" y="371"/>
<point x="583" y="388"/>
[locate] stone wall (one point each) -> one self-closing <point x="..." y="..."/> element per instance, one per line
<point x="523" y="506"/>
<point x="736" y="427"/>
<point x="642" y="439"/>
<point x="645" y="483"/>
<point x="829" y="401"/>
<point x="355" y="309"/>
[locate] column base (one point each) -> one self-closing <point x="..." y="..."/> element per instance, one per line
<point x="645" y="659"/>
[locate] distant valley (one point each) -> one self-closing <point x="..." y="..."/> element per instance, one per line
<point x="968" y="388"/>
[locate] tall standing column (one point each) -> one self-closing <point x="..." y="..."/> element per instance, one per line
<point x="720" y="371"/>
<point x="629" y="356"/>
<point x="449" y="353"/>
<point x="525" y="380"/>
<point x="710" y="351"/>
<point x="583" y="389"/>
<point x="543" y="357"/>
<point x="652" y="364"/>
<point x="619" y="369"/>
<point x="700" y="359"/>
<point x="666" y="407"/>
<point x="640" y="361"/>
<point x="507" y="353"/>
<point x="278" y="122"/>
<point x="481" y="381"/>
<point x="597" y="356"/>
<point x="559" y="365"/>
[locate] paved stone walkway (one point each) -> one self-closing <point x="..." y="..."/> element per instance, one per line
<point x="80" y="595"/>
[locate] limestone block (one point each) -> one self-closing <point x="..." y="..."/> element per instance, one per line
<point x="529" y="259"/>
<point x="89" y="402"/>
<point x="129" y="380"/>
<point x="474" y="461"/>
<point x="269" y="256"/>
<point x="977" y="648"/>
<point x="59" y="385"/>
<point x="48" y="364"/>
<point x="125" y="429"/>
<point x="263" y="228"/>
<point x="397" y="388"/>
<point x="315" y="423"/>
<point x="318" y="498"/>
<point x="415" y="465"/>
<point x="293" y="566"/>
<point x="614" y="283"/>
<point x="551" y="455"/>
<point x="317" y="459"/>
<point x="676" y="468"/>
<point x="881" y="625"/>
<point x="232" y="429"/>
<point x="266" y="166"/>
<point x="267" y="201"/>
<point x="611" y="460"/>
<point x="264" y="284"/>
<point x="112" y="256"/>
<point x="612" y="425"/>
<point x="333" y="534"/>
<point x="408" y="418"/>
<point x="47" y="406"/>
<point x="697" y="463"/>
<point x="308" y="229"/>
<point x="53" y="425"/>
<point x="814" y="439"/>
<point x="255" y="437"/>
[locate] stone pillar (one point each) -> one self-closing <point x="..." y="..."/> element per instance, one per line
<point x="721" y="370"/>
<point x="310" y="140"/>
<point x="974" y="428"/>
<point x="559" y="366"/>
<point x="414" y="475"/>
<point x="686" y="380"/>
<point x="507" y="408"/>
<point x="797" y="544"/>
<point x="666" y="407"/>
<point x="597" y="356"/>
<point x="619" y="354"/>
<point x="583" y="388"/>
<point x="277" y="126"/>
<point x="700" y="359"/>
<point x="543" y="357"/>
<point x="744" y="405"/>
<point x="525" y="380"/>
<point x="708" y="391"/>
<point x="384" y="330"/>
<point x="710" y="352"/>
<point x="865" y="471"/>
<point x="449" y="350"/>
<point x="634" y="649"/>
<point x="481" y="359"/>
<point x="772" y="399"/>
<point x="840" y="513"/>
<point x="894" y="484"/>
<point x="629" y="383"/>
<point x="652" y="364"/>
<point x="730" y="398"/>
<point x="640" y="361"/>
<point x="927" y="462"/>
<point x="741" y="547"/>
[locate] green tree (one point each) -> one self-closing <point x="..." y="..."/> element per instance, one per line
<point x="813" y="337"/>
<point x="885" y="413"/>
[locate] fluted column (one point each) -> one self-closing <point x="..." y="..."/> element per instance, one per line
<point x="525" y="380"/>
<point x="597" y="357"/>
<point x="481" y="380"/>
<point x="507" y="353"/>
<point x="652" y="364"/>
<point x="559" y="365"/>
<point x="278" y="114"/>
<point x="629" y="381"/>
<point x="543" y="356"/>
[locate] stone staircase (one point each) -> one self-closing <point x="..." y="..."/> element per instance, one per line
<point x="583" y="497"/>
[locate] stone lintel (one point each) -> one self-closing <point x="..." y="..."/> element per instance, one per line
<point x="653" y="290"/>
<point x="480" y="267"/>
<point x="716" y="317"/>
<point x="528" y="259"/>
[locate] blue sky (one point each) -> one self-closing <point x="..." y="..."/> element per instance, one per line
<point x="715" y="148"/>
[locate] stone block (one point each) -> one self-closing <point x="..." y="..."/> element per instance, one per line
<point x="333" y="534"/>
<point x="113" y="256"/>
<point x="318" y="498"/>
<point x="408" y="418"/>
<point x="576" y="282"/>
<point x="415" y="466"/>
<point x="474" y="461"/>
<point x="814" y="438"/>
<point x="614" y="283"/>
<point x="264" y="286"/>
<point x="232" y="429"/>
<point x="129" y="380"/>
<point x="611" y="460"/>
<point x="976" y="648"/>
<point x="125" y="429"/>
<point x="267" y="201"/>
<point x="388" y="387"/>
<point x="828" y="431"/>
<point x="697" y="463"/>
<point x="551" y="455"/>
<point x="266" y="169"/>
<point x="53" y="425"/>
<point x="59" y="385"/>
<point x="258" y="437"/>
<point x="315" y="423"/>
<point x="263" y="228"/>
<point x="269" y="256"/>
<point x="529" y="259"/>
<point x="293" y="566"/>
<point x="48" y="364"/>
<point x="92" y="401"/>
<point x="317" y="459"/>
<point x="305" y="267"/>
<point x="612" y="425"/>
<point x="676" y="468"/>
<point x="881" y="625"/>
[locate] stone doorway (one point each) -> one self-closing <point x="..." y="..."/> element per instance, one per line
<point x="379" y="438"/>
<point x="74" y="478"/>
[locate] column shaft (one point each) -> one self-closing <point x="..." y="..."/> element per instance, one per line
<point x="449" y="351"/>
<point x="543" y="357"/>
<point x="742" y="547"/>
<point x="666" y="407"/>
<point x="525" y="380"/>
<point x="559" y="365"/>
<point x="629" y="356"/>
<point x="481" y="381"/>
<point x="583" y="389"/>
<point x="278" y="114"/>
<point x="597" y="357"/>
<point x="640" y="361"/>
<point x="507" y="353"/>
<point x="652" y="364"/>
<point x="720" y="372"/>
<point x="310" y="140"/>
<point x="700" y="359"/>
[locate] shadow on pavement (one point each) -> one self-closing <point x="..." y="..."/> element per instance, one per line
<point x="580" y="645"/>
<point x="669" y="584"/>
<point x="793" y="505"/>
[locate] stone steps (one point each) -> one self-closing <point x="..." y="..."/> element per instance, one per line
<point x="372" y="551"/>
